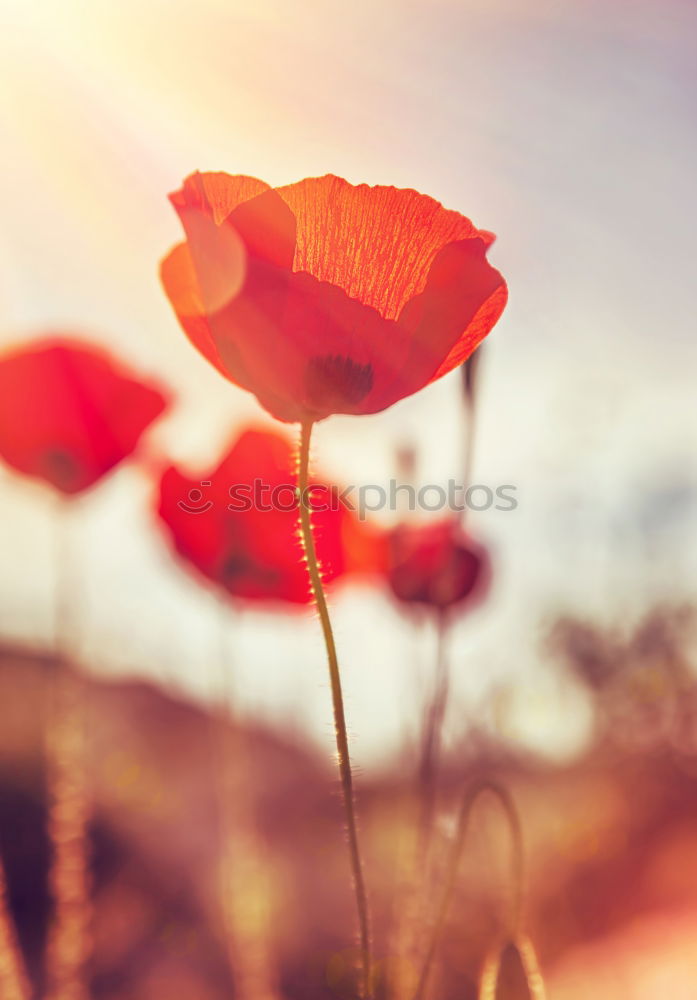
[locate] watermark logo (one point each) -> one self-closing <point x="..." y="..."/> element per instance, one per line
<point x="366" y="499"/>
<point x="194" y="503"/>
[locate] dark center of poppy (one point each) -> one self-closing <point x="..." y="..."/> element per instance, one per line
<point x="235" y="566"/>
<point x="60" y="467"/>
<point x="239" y="566"/>
<point x="333" y="381"/>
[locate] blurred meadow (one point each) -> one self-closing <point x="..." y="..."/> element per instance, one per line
<point x="568" y="130"/>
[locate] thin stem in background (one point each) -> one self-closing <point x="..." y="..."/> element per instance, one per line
<point x="469" y="449"/>
<point x="244" y="881"/>
<point x="69" y="810"/>
<point x="431" y="743"/>
<point x="513" y="969"/>
<point x="413" y="906"/>
<point x="470" y="371"/>
<point x="340" y="730"/>
<point x="472" y="795"/>
<point x="14" y="984"/>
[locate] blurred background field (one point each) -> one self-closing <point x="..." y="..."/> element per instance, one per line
<point x="563" y="128"/>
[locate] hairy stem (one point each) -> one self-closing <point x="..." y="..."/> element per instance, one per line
<point x="341" y="733"/>
<point x="471" y="796"/>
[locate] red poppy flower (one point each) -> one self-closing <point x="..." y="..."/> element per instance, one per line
<point x="238" y="524"/>
<point x="322" y="297"/>
<point x="69" y="414"/>
<point x="437" y="565"/>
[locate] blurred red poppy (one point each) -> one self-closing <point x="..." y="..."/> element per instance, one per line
<point x="69" y="413"/>
<point x="322" y="297"/>
<point x="437" y="565"/>
<point x="238" y="524"/>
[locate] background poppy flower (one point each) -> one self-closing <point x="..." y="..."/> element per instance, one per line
<point x="323" y="297"/>
<point x="436" y="565"/>
<point x="439" y="567"/>
<point x="69" y="413"/>
<point x="255" y="553"/>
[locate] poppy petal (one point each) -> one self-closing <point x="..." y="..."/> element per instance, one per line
<point x="267" y="228"/>
<point x="237" y="525"/>
<point x="322" y="297"/>
<point x="273" y="333"/>
<point x="235" y="277"/>
<point x="227" y="220"/>
<point x="377" y="243"/>
<point x="306" y="348"/>
<point x="481" y="324"/>
<point x="463" y="297"/>
<point x="180" y="282"/>
<point x="181" y="287"/>
<point x="218" y="256"/>
<point x="217" y="193"/>
<point x="68" y="414"/>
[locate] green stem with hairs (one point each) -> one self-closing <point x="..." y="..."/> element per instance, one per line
<point x="340" y="730"/>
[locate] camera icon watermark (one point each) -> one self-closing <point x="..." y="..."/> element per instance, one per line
<point x="194" y="503"/>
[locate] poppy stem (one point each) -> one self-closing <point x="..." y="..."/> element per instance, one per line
<point x="69" y="942"/>
<point x="341" y="733"/>
<point x="430" y="747"/>
<point x="14" y="984"/>
<point x="243" y="882"/>
<point x="470" y="384"/>
<point x="471" y="797"/>
<point x="515" y="961"/>
<point x="469" y="450"/>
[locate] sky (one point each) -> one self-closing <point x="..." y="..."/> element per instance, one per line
<point x="567" y="128"/>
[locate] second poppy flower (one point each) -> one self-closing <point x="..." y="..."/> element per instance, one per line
<point x="237" y="525"/>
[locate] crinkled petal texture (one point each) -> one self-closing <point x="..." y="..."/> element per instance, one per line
<point x="69" y="413"/>
<point x="237" y="525"/>
<point x="322" y="297"/>
<point x="437" y="565"/>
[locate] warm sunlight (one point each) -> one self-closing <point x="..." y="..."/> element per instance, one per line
<point x="347" y="459"/>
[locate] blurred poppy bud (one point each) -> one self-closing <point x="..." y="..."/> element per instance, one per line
<point x="437" y="565"/>
<point x="405" y="460"/>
